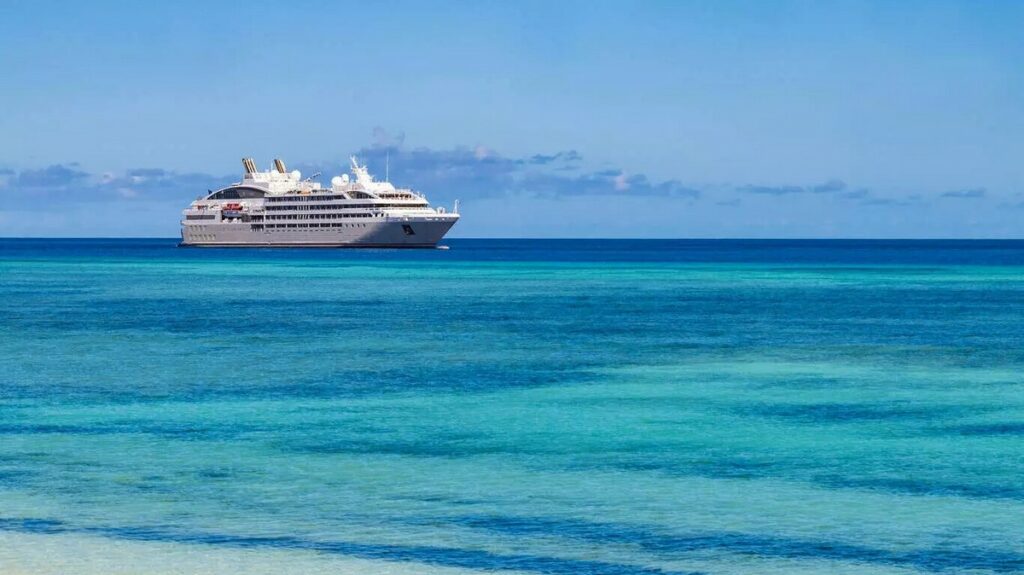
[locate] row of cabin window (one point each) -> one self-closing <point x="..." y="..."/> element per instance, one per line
<point x="312" y="226"/>
<point x="341" y="206"/>
<point x="317" y="216"/>
<point x="315" y="197"/>
<point x="249" y="193"/>
<point x="321" y="207"/>
<point x="200" y="217"/>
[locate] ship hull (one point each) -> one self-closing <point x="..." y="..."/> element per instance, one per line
<point x="404" y="233"/>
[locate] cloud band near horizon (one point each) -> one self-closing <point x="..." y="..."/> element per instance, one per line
<point x="474" y="175"/>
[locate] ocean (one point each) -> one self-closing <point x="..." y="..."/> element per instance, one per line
<point x="621" y="407"/>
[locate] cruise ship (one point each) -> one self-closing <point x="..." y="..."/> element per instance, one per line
<point x="280" y="208"/>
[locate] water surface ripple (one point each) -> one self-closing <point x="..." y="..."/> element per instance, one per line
<point x="532" y="406"/>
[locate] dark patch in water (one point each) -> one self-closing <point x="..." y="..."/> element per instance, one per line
<point x="443" y="556"/>
<point x="1009" y="428"/>
<point x="930" y="559"/>
<point x="720" y="467"/>
<point x="32" y="525"/>
<point x="167" y="431"/>
<point x="841" y="412"/>
<point x="441" y="499"/>
<point x="424" y="448"/>
<point x="858" y="270"/>
<point x="10" y="477"/>
<point x="214" y="474"/>
<point x="32" y="428"/>
<point x="801" y="382"/>
<point x="336" y="385"/>
<point x="915" y="486"/>
<point x="726" y="467"/>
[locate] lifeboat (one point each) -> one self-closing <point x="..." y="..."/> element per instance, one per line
<point x="232" y="210"/>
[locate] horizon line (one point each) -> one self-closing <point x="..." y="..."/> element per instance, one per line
<point x="578" y="238"/>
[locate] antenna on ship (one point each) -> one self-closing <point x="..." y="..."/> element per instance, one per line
<point x="387" y="165"/>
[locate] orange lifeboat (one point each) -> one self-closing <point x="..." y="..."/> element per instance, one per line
<point x="231" y="211"/>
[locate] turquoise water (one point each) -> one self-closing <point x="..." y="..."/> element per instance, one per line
<point x="537" y="406"/>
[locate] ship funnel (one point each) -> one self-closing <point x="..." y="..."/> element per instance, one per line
<point x="280" y="166"/>
<point x="250" y="165"/>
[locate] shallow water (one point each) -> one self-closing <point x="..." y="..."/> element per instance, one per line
<point x="618" y="407"/>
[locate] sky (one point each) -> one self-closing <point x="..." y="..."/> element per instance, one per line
<point x="761" y="119"/>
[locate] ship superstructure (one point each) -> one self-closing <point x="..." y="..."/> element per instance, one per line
<point x="280" y="208"/>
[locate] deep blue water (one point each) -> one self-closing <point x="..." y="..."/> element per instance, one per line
<point x="875" y="252"/>
<point x="549" y="406"/>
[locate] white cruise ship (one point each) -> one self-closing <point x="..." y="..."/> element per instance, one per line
<point x="279" y="208"/>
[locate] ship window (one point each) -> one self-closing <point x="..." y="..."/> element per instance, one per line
<point x="236" y="194"/>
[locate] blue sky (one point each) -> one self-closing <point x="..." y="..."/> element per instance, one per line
<point x="596" y="119"/>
